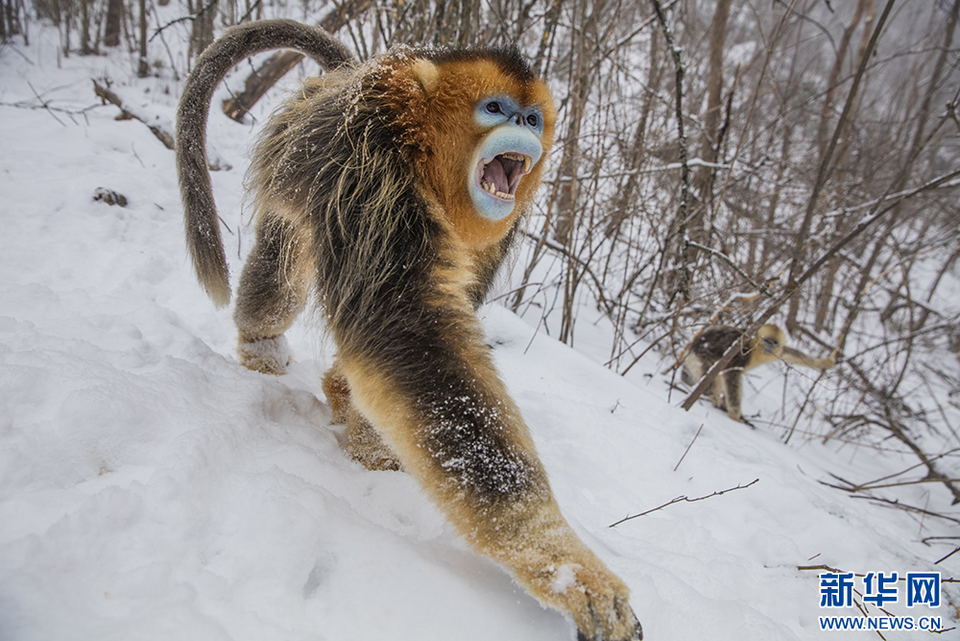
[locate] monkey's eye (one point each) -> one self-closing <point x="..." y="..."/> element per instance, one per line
<point x="494" y="111"/>
<point x="533" y="120"/>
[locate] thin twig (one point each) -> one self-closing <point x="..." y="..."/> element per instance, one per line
<point x="688" y="448"/>
<point x="684" y="499"/>
<point x="191" y="18"/>
<point x="602" y="298"/>
<point x="821" y="567"/>
<point x="955" y="550"/>
<point x="21" y="54"/>
<point x="902" y="506"/>
<point x="713" y="252"/>
<point x="855" y="487"/>
<point x="249" y="12"/>
<point x="43" y="103"/>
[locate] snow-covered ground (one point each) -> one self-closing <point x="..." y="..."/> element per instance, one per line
<point x="152" y="488"/>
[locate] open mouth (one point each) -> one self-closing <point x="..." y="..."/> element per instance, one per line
<point x="500" y="175"/>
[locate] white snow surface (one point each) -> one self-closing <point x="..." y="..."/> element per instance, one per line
<point x="153" y="488"/>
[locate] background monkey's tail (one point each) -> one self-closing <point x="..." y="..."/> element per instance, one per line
<point x="200" y="212"/>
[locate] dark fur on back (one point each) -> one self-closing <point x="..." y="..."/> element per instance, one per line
<point x="375" y="240"/>
<point x="379" y="258"/>
<point x="713" y="342"/>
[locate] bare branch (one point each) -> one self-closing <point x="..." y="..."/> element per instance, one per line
<point x="685" y="499"/>
<point x="162" y="134"/>
<point x="774" y="306"/>
<point x="684" y="285"/>
<point x="675" y="467"/>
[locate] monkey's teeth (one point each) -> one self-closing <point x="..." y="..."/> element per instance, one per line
<point x="493" y="190"/>
<point x="499" y="176"/>
<point x="520" y="158"/>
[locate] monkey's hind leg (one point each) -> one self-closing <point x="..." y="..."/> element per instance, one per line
<point x="274" y="288"/>
<point x="718" y="393"/>
<point x="732" y="392"/>
<point x="361" y="440"/>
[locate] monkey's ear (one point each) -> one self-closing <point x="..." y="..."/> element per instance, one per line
<point x="428" y="74"/>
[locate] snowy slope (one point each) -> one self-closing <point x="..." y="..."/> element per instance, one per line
<point x="152" y="488"/>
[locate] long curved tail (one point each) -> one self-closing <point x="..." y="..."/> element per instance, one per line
<point x="200" y="211"/>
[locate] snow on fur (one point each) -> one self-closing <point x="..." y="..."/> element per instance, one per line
<point x="152" y="488"/>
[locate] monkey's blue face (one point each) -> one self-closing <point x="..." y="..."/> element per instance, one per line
<point x="510" y="147"/>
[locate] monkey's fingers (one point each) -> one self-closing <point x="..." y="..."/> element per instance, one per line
<point x="637" y="635"/>
<point x="602" y="611"/>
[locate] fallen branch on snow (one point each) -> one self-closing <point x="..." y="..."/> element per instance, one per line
<point x="126" y="111"/>
<point x="685" y="499"/>
<point x="161" y="127"/>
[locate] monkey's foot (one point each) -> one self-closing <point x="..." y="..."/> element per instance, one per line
<point x="372" y="459"/>
<point x="266" y="355"/>
<point x="337" y="390"/>
<point x="361" y="441"/>
<point x="365" y="445"/>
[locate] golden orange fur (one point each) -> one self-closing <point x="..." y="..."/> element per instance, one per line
<point x="365" y="186"/>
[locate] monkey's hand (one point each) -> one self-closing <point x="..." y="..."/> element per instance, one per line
<point x="600" y="605"/>
<point x="608" y="615"/>
<point x="563" y="573"/>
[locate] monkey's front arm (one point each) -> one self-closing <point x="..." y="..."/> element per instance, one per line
<point x="447" y="417"/>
